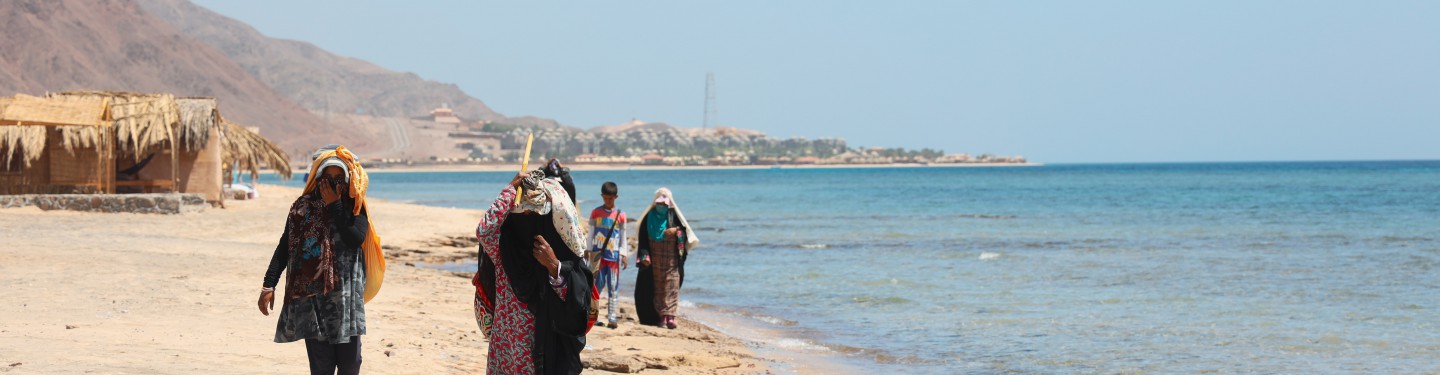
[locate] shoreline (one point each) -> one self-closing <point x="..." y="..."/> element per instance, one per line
<point x="177" y="295"/>
<point x="791" y="353"/>
<point x="785" y="351"/>
<point x="611" y="167"/>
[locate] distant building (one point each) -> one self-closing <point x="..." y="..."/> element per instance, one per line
<point x="445" y="116"/>
<point x="955" y="158"/>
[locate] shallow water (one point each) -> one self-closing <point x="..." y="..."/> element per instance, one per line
<point x="1151" y="268"/>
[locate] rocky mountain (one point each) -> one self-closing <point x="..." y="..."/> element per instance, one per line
<point x="58" y="45"/>
<point x="322" y="81"/>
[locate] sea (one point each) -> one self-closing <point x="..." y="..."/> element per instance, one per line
<point x="1285" y="267"/>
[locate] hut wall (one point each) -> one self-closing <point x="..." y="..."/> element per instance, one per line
<point x="158" y="169"/>
<point x="200" y="170"/>
<point x="16" y="178"/>
<point x="71" y="172"/>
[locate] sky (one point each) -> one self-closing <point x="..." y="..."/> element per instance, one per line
<point x="1054" y="81"/>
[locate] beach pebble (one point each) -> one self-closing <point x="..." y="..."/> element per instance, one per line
<point x="68" y="326"/>
<point x="389" y="353"/>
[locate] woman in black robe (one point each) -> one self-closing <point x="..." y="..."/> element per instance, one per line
<point x="536" y="248"/>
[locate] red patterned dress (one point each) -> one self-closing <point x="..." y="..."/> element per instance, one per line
<point x="510" y="325"/>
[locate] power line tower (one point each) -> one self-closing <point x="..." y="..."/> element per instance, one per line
<point x="710" y="111"/>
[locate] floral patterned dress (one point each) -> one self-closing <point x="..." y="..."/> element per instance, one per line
<point x="511" y="325"/>
<point x="506" y="321"/>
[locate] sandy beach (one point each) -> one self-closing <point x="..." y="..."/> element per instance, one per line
<point x="170" y="294"/>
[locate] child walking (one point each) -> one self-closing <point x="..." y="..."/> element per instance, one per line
<point x="609" y="248"/>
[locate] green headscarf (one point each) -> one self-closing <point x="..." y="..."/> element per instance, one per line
<point x="657" y="221"/>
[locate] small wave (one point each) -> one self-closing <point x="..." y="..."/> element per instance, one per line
<point x="880" y="301"/>
<point x="909" y="359"/>
<point x="799" y="344"/>
<point x="754" y="315"/>
<point x="890" y="281"/>
<point x="773" y="320"/>
<point x="883" y="356"/>
<point x="687" y="304"/>
<point x="1390" y="239"/>
<point x="983" y="216"/>
<point x="802" y="246"/>
<point x="989" y="256"/>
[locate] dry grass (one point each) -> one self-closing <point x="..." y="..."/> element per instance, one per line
<point x="251" y="151"/>
<point x="140" y="120"/>
<point x="197" y="117"/>
<point x="23" y="121"/>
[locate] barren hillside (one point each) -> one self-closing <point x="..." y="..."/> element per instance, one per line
<point x="319" y="80"/>
<point x="57" y="45"/>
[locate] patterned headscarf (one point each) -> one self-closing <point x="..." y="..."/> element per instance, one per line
<point x="546" y="196"/>
<point x="312" y="260"/>
<point x="565" y="216"/>
<point x="536" y="199"/>
<point x="359" y="184"/>
<point x="359" y="181"/>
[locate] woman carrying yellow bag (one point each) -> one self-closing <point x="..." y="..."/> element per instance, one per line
<point x="331" y="256"/>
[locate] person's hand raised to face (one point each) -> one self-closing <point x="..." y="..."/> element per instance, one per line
<point x="546" y="256"/>
<point x="330" y="184"/>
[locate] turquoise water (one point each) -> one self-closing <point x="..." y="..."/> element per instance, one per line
<point x="1317" y="267"/>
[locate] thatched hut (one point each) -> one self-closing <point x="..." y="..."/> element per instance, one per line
<point x="201" y="150"/>
<point x="51" y="146"/>
<point x="109" y="142"/>
<point x="144" y="127"/>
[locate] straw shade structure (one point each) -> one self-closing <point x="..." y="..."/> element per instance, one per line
<point x="98" y="130"/>
<point x="198" y="116"/>
<point x="33" y="129"/>
<point x="250" y="152"/>
<point x="24" y="123"/>
<point x="141" y="121"/>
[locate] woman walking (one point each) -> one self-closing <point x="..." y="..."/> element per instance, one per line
<point x="533" y="287"/>
<point x="323" y="253"/>
<point x="664" y="242"/>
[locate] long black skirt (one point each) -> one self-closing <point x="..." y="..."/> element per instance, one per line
<point x="645" y="296"/>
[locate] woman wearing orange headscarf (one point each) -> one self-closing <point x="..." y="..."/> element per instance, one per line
<point x="324" y="255"/>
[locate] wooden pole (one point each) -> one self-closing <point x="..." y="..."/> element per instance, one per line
<point x="114" y="144"/>
<point x="520" y="191"/>
<point x="174" y="159"/>
<point x="100" y="154"/>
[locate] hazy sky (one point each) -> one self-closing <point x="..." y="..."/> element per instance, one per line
<point x="1063" y="81"/>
